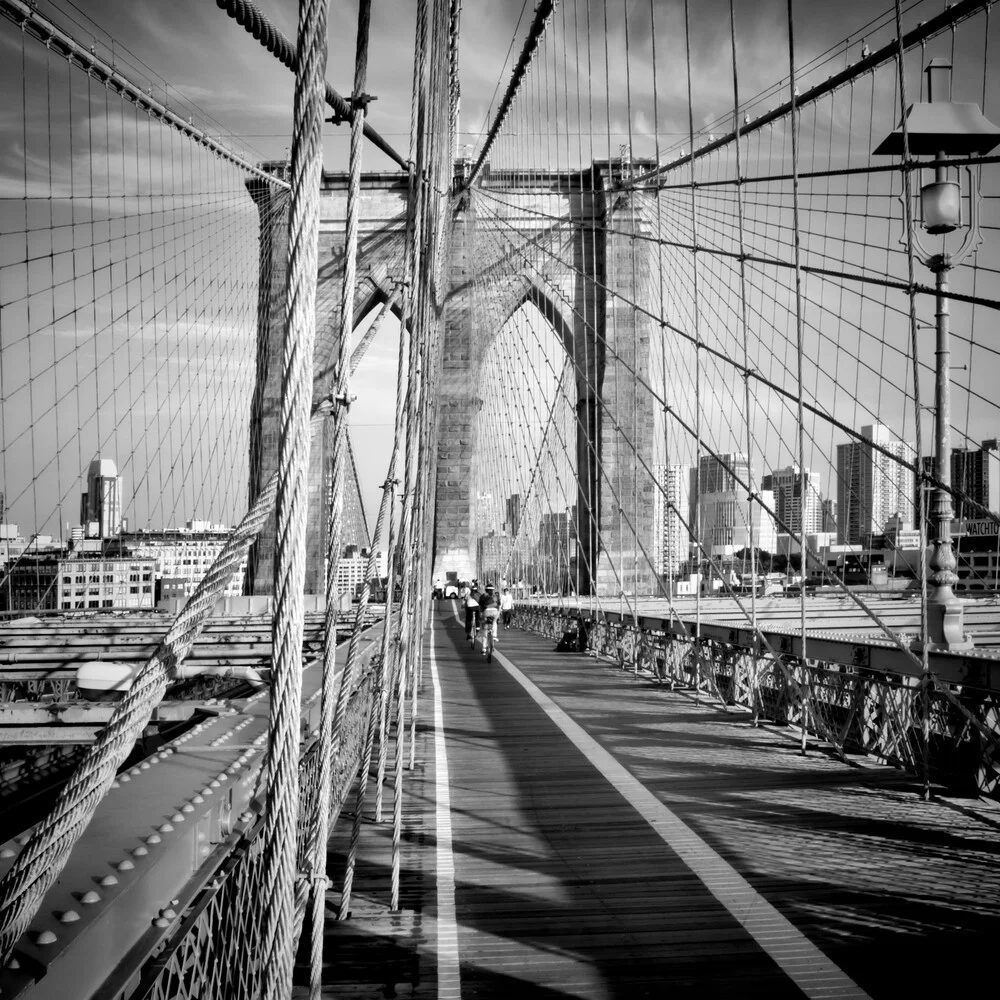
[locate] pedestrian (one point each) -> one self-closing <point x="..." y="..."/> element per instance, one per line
<point x="506" y="607"/>
<point x="471" y="604"/>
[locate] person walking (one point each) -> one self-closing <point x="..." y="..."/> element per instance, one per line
<point x="506" y="607"/>
<point x="470" y="600"/>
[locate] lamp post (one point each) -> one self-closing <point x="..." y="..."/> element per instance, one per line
<point x="940" y="128"/>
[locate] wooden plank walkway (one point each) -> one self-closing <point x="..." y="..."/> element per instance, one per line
<point x="612" y="838"/>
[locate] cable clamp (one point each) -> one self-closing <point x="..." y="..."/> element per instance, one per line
<point x="343" y="399"/>
<point x="314" y="878"/>
<point x="390" y="483"/>
<point x="358" y="103"/>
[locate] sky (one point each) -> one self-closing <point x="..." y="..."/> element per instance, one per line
<point x="202" y="64"/>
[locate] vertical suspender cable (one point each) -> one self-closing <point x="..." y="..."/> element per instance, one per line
<point x="282" y="815"/>
<point x="744" y="325"/>
<point x="400" y="652"/>
<point x="374" y="711"/>
<point x="331" y="714"/>
<point x="697" y="361"/>
<point x="917" y="412"/>
<point x="799" y="332"/>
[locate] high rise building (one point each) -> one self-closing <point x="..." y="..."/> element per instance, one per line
<point x="829" y="520"/>
<point x="723" y="474"/>
<point x="671" y="509"/>
<point x="873" y="484"/>
<point x="975" y="472"/>
<point x="513" y="522"/>
<point x="786" y="485"/>
<point x="557" y="550"/>
<point x="730" y="521"/>
<point x="101" y="505"/>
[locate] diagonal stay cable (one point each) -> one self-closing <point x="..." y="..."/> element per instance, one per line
<point x="249" y="15"/>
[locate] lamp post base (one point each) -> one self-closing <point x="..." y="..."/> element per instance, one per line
<point x="944" y="626"/>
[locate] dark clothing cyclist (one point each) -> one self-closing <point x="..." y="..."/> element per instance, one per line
<point x="471" y="598"/>
<point x="489" y="611"/>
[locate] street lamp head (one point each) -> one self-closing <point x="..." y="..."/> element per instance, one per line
<point x="941" y="128"/>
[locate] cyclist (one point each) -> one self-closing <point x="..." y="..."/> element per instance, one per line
<point x="470" y="601"/>
<point x="506" y="607"/>
<point x="489" y="611"/>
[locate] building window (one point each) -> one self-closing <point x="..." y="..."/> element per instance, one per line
<point x="133" y="590"/>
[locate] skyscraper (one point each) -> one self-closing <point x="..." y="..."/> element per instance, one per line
<point x="829" y="508"/>
<point x="873" y="484"/>
<point x="671" y="509"/>
<point x="786" y="484"/>
<point x="729" y="520"/>
<point x="513" y="510"/>
<point x="975" y="472"/>
<point x="101" y="505"/>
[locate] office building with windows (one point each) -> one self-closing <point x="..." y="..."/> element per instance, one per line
<point x="875" y="482"/>
<point x="786" y="485"/>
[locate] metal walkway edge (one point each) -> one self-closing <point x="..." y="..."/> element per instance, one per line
<point x="613" y="838"/>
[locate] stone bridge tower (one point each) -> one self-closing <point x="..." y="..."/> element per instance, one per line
<point x="586" y="283"/>
<point x="383" y="220"/>
<point x="588" y="289"/>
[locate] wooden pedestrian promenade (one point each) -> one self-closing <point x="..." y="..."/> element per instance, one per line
<point x="573" y="830"/>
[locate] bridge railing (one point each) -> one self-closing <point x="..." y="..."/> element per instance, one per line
<point x="860" y="696"/>
<point x="217" y="950"/>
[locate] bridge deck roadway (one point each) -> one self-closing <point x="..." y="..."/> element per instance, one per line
<point x="611" y="838"/>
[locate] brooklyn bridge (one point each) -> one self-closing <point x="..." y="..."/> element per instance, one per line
<point x="524" y="522"/>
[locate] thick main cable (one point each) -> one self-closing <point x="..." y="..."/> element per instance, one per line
<point x="249" y="15"/>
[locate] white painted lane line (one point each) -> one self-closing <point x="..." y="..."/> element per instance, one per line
<point x="448" y="972"/>
<point x="793" y="952"/>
